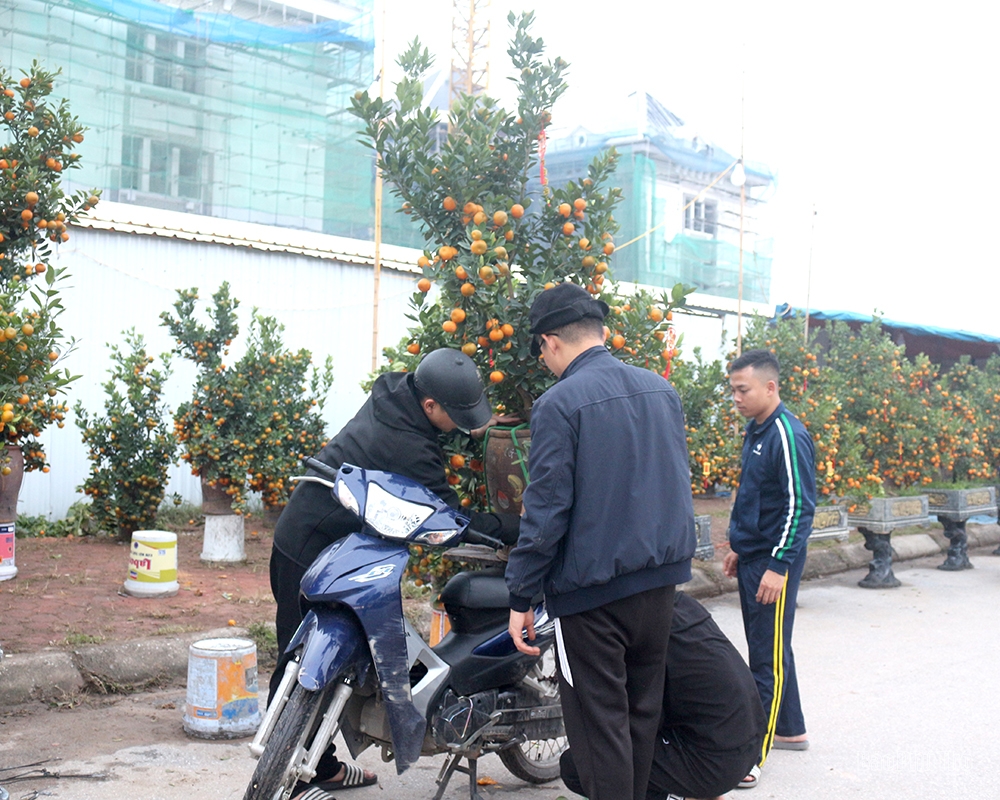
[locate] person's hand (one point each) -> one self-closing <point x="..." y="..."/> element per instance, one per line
<point x="729" y="564"/>
<point x="770" y="587"/>
<point x="479" y="433"/>
<point x="519" y="621"/>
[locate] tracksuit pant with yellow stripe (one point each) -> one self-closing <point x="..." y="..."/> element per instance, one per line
<point x="769" y="640"/>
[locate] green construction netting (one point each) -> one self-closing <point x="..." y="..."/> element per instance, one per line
<point x="234" y="109"/>
<point x="698" y="251"/>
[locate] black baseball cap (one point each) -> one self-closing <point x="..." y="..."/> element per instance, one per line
<point x="452" y="379"/>
<point x="560" y="306"/>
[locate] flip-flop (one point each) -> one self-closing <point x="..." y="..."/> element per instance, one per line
<point x="354" y="777"/>
<point x="315" y="793"/>
<point x="778" y="744"/>
<point x="750" y="781"/>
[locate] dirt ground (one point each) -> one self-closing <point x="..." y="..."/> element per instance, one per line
<point x="68" y="592"/>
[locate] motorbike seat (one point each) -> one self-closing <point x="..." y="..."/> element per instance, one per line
<point x="479" y="590"/>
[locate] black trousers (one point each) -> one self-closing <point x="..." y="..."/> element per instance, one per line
<point x="612" y="662"/>
<point x="680" y="769"/>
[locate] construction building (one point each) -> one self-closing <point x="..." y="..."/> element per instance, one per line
<point x="664" y="172"/>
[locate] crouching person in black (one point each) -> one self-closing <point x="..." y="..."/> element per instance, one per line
<point x="712" y="724"/>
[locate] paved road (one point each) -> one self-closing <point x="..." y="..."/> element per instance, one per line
<point x="901" y="690"/>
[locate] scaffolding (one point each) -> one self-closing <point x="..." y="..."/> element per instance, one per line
<point x="234" y="109"/>
<point x="694" y="247"/>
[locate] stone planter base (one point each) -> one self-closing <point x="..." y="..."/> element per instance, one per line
<point x="954" y="507"/>
<point x="705" y="550"/>
<point x="224" y="539"/>
<point x="830" y="522"/>
<point x="880" y="575"/>
<point x="876" y="523"/>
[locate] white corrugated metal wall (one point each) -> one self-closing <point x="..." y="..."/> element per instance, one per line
<point x="122" y="280"/>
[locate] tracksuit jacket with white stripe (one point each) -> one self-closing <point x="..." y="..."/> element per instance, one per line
<point x="773" y="512"/>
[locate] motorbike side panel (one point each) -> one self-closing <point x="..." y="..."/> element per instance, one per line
<point x="364" y="573"/>
<point x="471" y="673"/>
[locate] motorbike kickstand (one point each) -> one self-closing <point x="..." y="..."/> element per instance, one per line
<point x="452" y="765"/>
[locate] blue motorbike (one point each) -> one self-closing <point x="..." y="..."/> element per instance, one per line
<point x="362" y="670"/>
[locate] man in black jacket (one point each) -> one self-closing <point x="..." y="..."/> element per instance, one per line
<point x="606" y="534"/>
<point x="712" y="724"/>
<point x="396" y="430"/>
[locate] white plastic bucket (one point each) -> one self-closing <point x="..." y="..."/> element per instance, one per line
<point x="222" y="698"/>
<point x="7" y="540"/>
<point x="152" y="564"/>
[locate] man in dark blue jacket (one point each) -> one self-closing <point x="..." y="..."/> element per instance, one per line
<point x="770" y="523"/>
<point x="606" y="533"/>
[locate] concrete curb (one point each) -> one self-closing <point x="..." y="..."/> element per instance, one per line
<point x="132" y="666"/>
<point x="118" y="668"/>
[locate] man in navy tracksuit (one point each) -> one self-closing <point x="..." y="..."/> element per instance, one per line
<point x="607" y="532"/>
<point x="770" y="523"/>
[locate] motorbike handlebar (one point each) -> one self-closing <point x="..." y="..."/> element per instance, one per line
<point x="318" y="466"/>
<point x="475" y="537"/>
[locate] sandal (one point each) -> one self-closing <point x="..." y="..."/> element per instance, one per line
<point x="784" y="744"/>
<point x="315" y="793"/>
<point x="354" y="777"/>
<point x="750" y="781"/>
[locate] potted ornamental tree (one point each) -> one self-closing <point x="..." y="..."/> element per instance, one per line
<point x="39" y="137"/>
<point x="494" y="244"/>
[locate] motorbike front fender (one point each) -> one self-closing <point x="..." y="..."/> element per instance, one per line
<point x="332" y="641"/>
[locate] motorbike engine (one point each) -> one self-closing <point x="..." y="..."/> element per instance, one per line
<point x="461" y="717"/>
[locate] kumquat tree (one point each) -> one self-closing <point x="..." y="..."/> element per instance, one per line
<point x="213" y="427"/>
<point x="36" y="145"/>
<point x="131" y="445"/>
<point x="286" y="403"/>
<point x="882" y="422"/>
<point x="248" y="425"/>
<point x="493" y="244"/>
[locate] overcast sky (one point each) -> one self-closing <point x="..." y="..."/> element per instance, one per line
<point x="880" y="114"/>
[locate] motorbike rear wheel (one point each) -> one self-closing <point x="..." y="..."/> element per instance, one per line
<point x="275" y="776"/>
<point x="537" y="760"/>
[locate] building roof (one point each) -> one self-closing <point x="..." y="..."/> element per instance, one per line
<point x="642" y="116"/>
<point x="938" y="344"/>
<point x="226" y="28"/>
<point x="143" y="220"/>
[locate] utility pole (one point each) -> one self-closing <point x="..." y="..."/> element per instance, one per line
<point x="378" y="217"/>
<point x="809" y="276"/>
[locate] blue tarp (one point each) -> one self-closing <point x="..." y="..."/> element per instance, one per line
<point x="225" y="28"/>
<point x="785" y="310"/>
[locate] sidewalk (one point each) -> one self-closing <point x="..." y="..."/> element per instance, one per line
<point x="142" y="663"/>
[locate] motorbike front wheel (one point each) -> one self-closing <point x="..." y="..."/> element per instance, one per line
<point x="276" y="773"/>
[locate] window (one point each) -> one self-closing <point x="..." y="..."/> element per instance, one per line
<point x="159" y="167"/>
<point x="164" y="60"/>
<point x="701" y="216"/>
<point x="132" y="162"/>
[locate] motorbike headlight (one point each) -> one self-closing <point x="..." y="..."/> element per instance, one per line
<point x="392" y="516"/>
<point x="347" y="499"/>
